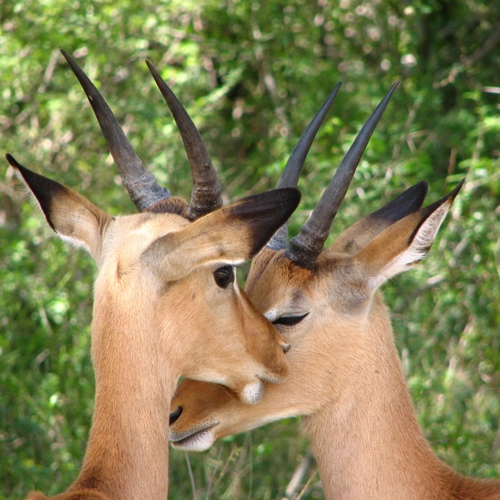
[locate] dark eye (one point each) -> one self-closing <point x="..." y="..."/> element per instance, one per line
<point x="224" y="276"/>
<point x="289" y="320"/>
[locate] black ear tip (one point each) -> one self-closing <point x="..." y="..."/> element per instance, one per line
<point x="454" y="193"/>
<point x="296" y="196"/>
<point x="422" y="187"/>
<point x="12" y="161"/>
<point x="293" y="192"/>
<point x="291" y="196"/>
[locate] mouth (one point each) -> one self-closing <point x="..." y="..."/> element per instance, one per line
<point x="199" y="440"/>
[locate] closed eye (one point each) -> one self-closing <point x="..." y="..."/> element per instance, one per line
<point x="289" y="320"/>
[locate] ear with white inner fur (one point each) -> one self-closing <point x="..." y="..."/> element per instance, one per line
<point x="354" y="238"/>
<point x="229" y="235"/>
<point x="404" y="243"/>
<point x="70" y="215"/>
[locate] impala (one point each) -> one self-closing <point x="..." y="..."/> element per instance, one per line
<point x="166" y="302"/>
<point x="346" y="377"/>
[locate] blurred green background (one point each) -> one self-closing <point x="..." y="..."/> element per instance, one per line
<point x="252" y="74"/>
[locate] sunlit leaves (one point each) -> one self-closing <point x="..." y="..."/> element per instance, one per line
<point x="252" y="75"/>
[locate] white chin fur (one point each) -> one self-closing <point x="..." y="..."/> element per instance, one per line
<point x="201" y="441"/>
<point x="253" y="393"/>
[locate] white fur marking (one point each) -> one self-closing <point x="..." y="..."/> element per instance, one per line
<point x="73" y="241"/>
<point x="417" y="250"/>
<point x="271" y="315"/>
<point x="201" y="441"/>
<point x="253" y="393"/>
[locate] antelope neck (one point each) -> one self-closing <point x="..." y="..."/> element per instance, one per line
<point x="368" y="443"/>
<point x="127" y="452"/>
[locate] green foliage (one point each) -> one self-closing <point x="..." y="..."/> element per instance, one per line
<point x="252" y="74"/>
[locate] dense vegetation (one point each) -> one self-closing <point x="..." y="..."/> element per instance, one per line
<point x="252" y="74"/>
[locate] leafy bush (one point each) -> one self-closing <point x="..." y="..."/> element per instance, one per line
<point x="252" y="74"/>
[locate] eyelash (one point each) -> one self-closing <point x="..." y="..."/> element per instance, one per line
<point x="289" y="320"/>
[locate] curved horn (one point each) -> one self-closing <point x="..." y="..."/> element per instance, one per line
<point x="141" y="185"/>
<point x="206" y="195"/>
<point x="308" y="244"/>
<point x="291" y="173"/>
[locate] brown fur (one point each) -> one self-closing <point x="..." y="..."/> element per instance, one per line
<point x="172" y="205"/>
<point x="82" y="494"/>
<point x="346" y="377"/>
<point x="159" y="314"/>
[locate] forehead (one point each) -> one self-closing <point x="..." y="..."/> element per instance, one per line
<point x="274" y="279"/>
<point x="274" y="274"/>
<point x="140" y="230"/>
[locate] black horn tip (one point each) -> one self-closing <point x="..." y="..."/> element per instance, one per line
<point x="291" y="173"/>
<point x="391" y="91"/>
<point x="167" y="92"/>
<point x="152" y="69"/>
<point x="86" y="83"/>
<point x="71" y="61"/>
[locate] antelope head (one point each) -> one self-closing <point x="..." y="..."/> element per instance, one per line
<point x="324" y="302"/>
<point x="166" y="300"/>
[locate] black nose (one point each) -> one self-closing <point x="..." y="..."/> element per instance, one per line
<point x="175" y="415"/>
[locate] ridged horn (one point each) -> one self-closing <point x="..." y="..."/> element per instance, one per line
<point x="141" y="185"/>
<point x="304" y="248"/>
<point x="206" y="195"/>
<point x="293" y="167"/>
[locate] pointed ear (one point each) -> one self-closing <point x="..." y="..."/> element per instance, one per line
<point x="362" y="232"/>
<point x="229" y="235"/>
<point x="404" y="243"/>
<point x="70" y="215"/>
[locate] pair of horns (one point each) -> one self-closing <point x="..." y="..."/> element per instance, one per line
<point x="141" y="185"/>
<point x="305" y="248"/>
<point x="144" y="191"/>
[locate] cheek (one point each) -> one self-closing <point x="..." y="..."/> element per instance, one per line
<point x="295" y="336"/>
<point x="222" y="301"/>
